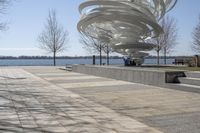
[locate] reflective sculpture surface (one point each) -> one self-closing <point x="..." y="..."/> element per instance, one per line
<point x="125" y="25"/>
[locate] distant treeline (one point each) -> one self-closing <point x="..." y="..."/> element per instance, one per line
<point x="169" y="57"/>
<point x="59" y="57"/>
<point x="84" y="57"/>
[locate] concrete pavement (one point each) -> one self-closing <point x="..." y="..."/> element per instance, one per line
<point x="46" y="99"/>
<point x="32" y="104"/>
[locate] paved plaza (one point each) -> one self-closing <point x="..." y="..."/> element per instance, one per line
<point x="49" y="100"/>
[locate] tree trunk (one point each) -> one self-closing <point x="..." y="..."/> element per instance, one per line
<point x="54" y="58"/>
<point x="165" y="56"/>
<point x="100" y="56"/>
<point x="93" y="60"/>
<point x="108" y="59"/>
<point x="158" y="57"/>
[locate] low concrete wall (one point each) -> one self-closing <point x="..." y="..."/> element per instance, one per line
<point x="137" y="75"/>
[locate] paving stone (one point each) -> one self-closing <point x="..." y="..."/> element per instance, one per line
<point x="140" y="102"/>
<point x="33" y="103"/>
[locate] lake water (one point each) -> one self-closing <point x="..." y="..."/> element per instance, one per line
<point x="63" y="62"/>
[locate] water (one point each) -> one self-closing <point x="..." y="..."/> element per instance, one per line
<point x="63" y="62"/>
<point x="154" y="61"/>
<point x="49" y="62"/>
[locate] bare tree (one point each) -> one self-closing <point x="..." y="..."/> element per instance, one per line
<point x="166" y="41"/>
<point x="92" y="45"/>
<point x="196" y="38"/>
<point x="158" y="43"/>
<point x="3" y="6"/>
<point x="53" y="39"/>
<point x="107" y="49"/>
<point x="170" y="35"/>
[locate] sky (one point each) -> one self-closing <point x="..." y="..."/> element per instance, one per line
<point x="26" y="19"/>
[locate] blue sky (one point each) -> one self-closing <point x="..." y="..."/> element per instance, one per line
<point x="26" y="20"/>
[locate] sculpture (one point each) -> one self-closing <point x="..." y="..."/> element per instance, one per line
<point x="125" y="25"/>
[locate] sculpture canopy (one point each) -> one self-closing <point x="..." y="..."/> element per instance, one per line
<point x="124" y="24"/>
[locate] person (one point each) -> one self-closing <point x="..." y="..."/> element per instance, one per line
<point x="133" y="63"/>
<point x="126" y="62"/>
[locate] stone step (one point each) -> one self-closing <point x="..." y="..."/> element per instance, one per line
<point x="192" y="74"/>
<point x="184" y="87"/>
<point x="190" y="81"/>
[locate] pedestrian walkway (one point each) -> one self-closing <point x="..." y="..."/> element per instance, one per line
<point x="33" y="104"/>
<point x="167" y="110"/>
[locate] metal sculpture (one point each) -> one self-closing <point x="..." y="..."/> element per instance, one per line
<point x="125" y="25"/>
